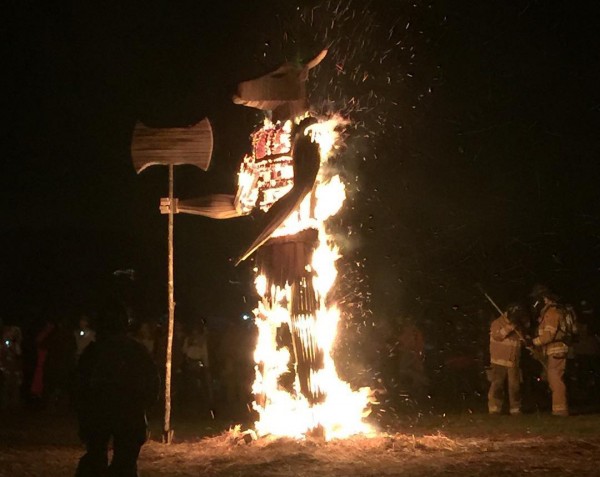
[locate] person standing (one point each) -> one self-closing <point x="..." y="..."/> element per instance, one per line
<point x="236" y="367"/>
<point x="41" y="344"/>
<point x="196" y="365"/>
<point x="587" y="356"/>
<point x="146" y="335"/>
<point x="84" y="335"/>
<point x="505" y="352"/>
<point x="117" y="384"/>
<point x="59" y="367"/>
<point x="11" y="367"/>
<point x="551" y="339"/>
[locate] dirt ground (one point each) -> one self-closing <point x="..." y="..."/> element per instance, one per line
<point x="465" y="445"/>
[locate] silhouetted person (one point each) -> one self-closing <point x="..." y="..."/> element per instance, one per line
<point x="587" y="359"/>
<point x="117" y="383"/>
<point x="41" y="345"/>
<point x="146" y="335"/>
<point x="84" y="335"/>
<point x="11" y="367"/>
<point x="59" y="367"/>
<point x="196" y="367"/>
<point x="236" y="366"/>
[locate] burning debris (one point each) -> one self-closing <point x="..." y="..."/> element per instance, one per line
<point x="239" y="437"/>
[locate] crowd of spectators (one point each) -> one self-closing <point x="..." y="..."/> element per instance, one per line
<point x="212" y="368"/>
<point x="418" y="362"/>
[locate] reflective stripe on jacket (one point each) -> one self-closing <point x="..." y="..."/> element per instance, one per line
<point x="505" y="345"/>
<point x="549" y="335"/>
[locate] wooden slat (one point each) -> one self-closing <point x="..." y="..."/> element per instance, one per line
<point x="164" y="146"/>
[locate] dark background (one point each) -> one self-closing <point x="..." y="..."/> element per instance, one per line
<point x="472" y="154"/>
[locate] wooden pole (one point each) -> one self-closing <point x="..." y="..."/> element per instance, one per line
<point x="167" y="431"/>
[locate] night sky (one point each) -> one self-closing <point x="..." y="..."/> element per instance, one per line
<point x="472" y="155"/>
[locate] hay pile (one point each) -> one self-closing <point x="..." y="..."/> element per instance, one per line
<point x="229" y="454"/>
<point x="43" y="446"/>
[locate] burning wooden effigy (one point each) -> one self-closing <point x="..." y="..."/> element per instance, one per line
<point x="286" y="176"/>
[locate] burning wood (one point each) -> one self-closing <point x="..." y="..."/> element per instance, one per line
<point x="239" y="437"/>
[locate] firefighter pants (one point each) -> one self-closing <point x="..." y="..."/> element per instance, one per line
<point x="556" y="374"/>
<point x="498" y="376"/>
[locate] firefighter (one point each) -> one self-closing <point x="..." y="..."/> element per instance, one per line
<point x="117" y="383"/>
<point x="551" y="340"/>
<point x="506" y="338"/>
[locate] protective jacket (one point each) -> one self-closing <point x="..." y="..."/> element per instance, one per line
<point x="505" y="345"/>
<point x="549" y="334"/>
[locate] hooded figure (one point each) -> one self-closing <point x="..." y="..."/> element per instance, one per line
<point x="117" y="384"/>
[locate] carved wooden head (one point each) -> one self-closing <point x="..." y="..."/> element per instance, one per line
<point x="286" y="84"/>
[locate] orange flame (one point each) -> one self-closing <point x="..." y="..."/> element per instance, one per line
<point x="343" y="409"/>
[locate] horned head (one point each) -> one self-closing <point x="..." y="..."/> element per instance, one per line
<point x="283" y="88"/>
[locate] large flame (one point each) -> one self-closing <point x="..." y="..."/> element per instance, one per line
<point x="281" y="413"/>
